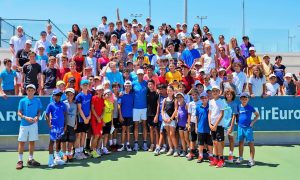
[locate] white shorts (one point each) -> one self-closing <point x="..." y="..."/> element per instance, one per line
<point x="171" y="124"/>
<point x="139" y="114"/>
<point x="28" y="133"/>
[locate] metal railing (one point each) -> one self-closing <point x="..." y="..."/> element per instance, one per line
<point x="31" y="29"/>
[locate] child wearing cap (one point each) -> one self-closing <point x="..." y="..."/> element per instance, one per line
<point x="191" y="124"/>
<point x="56" y="117"/>
<point x="245" y="128"/>
<point x="215" y="116"/>
<point x="272" y="87"/>
<point x="69" y="136"/>
<point x="97" y="120"/>
<point x="182" y="117"/>
<point x="125" y="109"/>
<point x="289" y="85"/>
<point x="152" y="113"/>
<point x="230" y="113"/>
<point x="83" y="101"/>
<point x="29" y="111"/>
<point x="107" y="119"/>
<point x="202" y="127"/>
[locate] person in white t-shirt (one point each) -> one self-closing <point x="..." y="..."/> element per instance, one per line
<point x="129" y="29"/>
<point x="162" y="36"/>
<point x="50" y="34"/>
<point x="239" y="78"/>
<point x="148" y="34"/>
<point x="16" y="43"/>
<point x="103" y="27"/>
<point x="272" y="86"/>
<point x="257" y="83"/>
<point x="215" y="119"/>
<point x="183" y="34"/>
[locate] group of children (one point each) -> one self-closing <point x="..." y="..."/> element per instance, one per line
<point x="198" y="120"/>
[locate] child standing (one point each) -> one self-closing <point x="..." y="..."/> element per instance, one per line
<point x="202" y="127"/>
<point x="182" y="117"/>
<point x="230" y="113"/>
<point x="97" y="120"/>
<point x="215" y="116"/>
<point x="117" y="124"/>
<point x="56" y="116"/>
<point x="245" y="128"/>
<point x="83" y="100"/>
<point x="125" y="113"/>
<point x="107" y="118"/>
<point x="69" y="135"/>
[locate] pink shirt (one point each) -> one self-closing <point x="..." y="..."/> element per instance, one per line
<point x="225" y="63"/>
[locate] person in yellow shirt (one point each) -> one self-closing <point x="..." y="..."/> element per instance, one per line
<point x="267" y="66"/>
<point x="141" y="54"/>
<point x="252" y="61"/>
<point x="107" y="118"/>
<point x="173" y="77"/>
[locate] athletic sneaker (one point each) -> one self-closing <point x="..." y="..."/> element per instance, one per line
<point x="94" y="154"/>
<point x="78" y="156"/>
<point x="239" y="160"/>
<point x="170" y="152"/>
<point x="122" y="148"/>
<point x="151" y="149"/>
<point x="157" y="151"/>
<point x="98" y="152"/>
<point x="128" y="148"/>
<point x="175" y="154"/>
<point x="214" y="161"/>
<point x="83" y="155"/>
<point x="136" y="147"/>
<point x="190" y="156"/>
<point x="61" y="154"/>
<point x="163" y="150"/>
<point x="230" y="159"/>
<point x="19" y="165"/>
<point x="59" y="161"/>
<point x="70" y="158"/>
<point x="200" y="159"/>
<point x="105" y="151"/>
<point x="145" y="147"/>
<point x="51" y="163"/>
<point x="182" y="154"/>
<point x="251" y="163"/>
<point x="221" y="163"/>
<point x="65" y="158"/>
<point x="32" y="163"/>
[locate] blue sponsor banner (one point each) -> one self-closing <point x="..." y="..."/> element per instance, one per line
<point x="280" y="113"/>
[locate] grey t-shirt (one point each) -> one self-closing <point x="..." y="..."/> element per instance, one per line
<point x="71" y="113"/>
<point x="116" y="113"/>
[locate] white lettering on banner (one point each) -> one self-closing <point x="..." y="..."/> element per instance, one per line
<point x="278" y="114"/>
<point x="13" y="116"/>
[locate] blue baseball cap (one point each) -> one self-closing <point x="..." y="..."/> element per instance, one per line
<point x="84" y="81"/>
<point x="244" y="94"/>
<point x="203" y="94"/>
<point x="57" y="92"/>
<point x="140" y="50"/>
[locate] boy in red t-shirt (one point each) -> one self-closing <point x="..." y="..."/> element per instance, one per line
<point x="96" y="120"/>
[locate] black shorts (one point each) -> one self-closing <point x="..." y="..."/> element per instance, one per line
<point x="193" y="134"/>
<point x="150" y="121"/>
<point x="106" y="129"/>
<point x="182" y="128"/>
<point x="117" y="123"/>
<point x="218" y="135"/>
<point x="82" y="127"/>
<point x="69" y="135"/>
<point x="204" y="138"/>
<point x="128" y="121"/>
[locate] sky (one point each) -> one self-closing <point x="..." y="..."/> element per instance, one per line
<point x="268" y="22"/>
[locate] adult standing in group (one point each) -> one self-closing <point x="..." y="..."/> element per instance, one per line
<point x="172" y="38"/>
<point x="140" y="109"/>
<point x="252" y="61"/>
<point x="17" y="42"/>
<point x="103" y="27"/>
<point x="245" y="47"/>
<point x="49" y="32"/>
<point x="77" y="32"/>
<point x="190" y="55"/>
<point x="84" y="41"/>
<point x="42" y="42"/>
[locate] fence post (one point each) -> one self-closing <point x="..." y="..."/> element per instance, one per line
<point x="0" y="32"/>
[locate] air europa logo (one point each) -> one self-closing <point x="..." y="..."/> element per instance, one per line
<point x="13" y="116"/>
<point x="275" y="113"/>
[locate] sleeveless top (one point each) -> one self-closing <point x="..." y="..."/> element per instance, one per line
<point x="169" y="106"/>
<point x="225" y="63"/>
<point x="209" y="63"/>
<point x="182" y="115"/>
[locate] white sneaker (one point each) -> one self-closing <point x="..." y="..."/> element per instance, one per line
<point x="157" y="151"/>
<point x="128" y="148"/>
<point x="251" y="163"/>
<point x="175" y="154"/>
<point x="121" y="148"/>
<point x="239" y="160"/>
<point x="145" y="147"/>
<point x="83" y="155"/>
<point x="170" y="152"/>
<point x="51" y="163"/>
<point x="136" y="147"/>
<point x="163" y="150"/>
<point x="105" y="151"/>
<point x="77" y="156"/>
<point x="59" y="161"/>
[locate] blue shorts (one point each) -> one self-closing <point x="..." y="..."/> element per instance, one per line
<point x="56" y="133"/>
<point x="245" y="133"/>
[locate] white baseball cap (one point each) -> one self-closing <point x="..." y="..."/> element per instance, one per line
<point x="127" y="83"/>
<point x="215" y="87"/>
<point x="28" y="41"/>
<point x="288" y="75"/>
<point x="70" y="90"/>
<point x="140" y="71"/>
<point x="41" y="46"/>
<point x="251" y="48"/>
<point x="100" y="87"/>
<point x="272" y="75"/>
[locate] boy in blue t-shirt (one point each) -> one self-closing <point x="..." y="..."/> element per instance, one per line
<point x="56" y="117"/>
<point x="202" y="127"/>
<point x="29" y="111"/>
<point x="83" y="100"/>
<point x="245" y="128"/>
<point x="125" y="109"/>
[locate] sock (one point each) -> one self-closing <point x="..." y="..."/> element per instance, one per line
<point x="250" y="159"/>
<point x="230" y="153"/>
<point x="114" y="141"/>
<point x="127" y="143"/>
<point x="110" y="142"/>
<point x="77" y="150"/>
<point x="20" y="157"/>
<point x="56" y="154"/>
<point x="30" y="157"/>
<point x="87" y="142"/>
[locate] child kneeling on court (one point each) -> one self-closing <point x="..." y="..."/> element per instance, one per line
<point x="56" y="117"/>
<point x="245" y="128"/>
